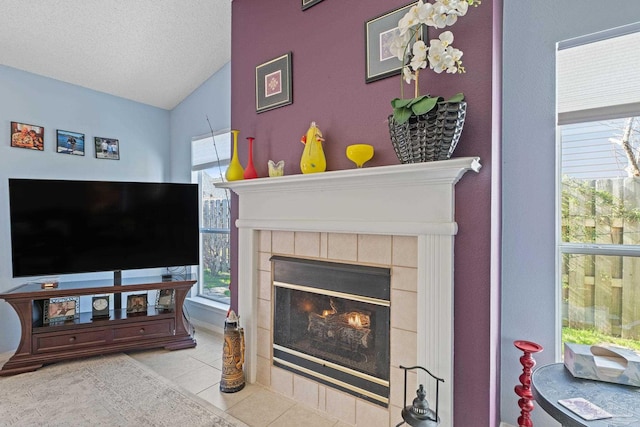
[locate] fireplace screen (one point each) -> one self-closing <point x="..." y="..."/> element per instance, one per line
<point x="331" y="323"/>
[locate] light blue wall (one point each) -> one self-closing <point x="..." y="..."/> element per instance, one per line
<point x="142" y="131"/>
<point x="154" y="146"/>
<point x="531" y="30"/>
<point x="189" y="119"/>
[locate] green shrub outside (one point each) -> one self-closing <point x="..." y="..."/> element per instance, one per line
<point x="592" y="336"/>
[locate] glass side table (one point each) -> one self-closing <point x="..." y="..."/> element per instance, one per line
<point x="553" y="382"/>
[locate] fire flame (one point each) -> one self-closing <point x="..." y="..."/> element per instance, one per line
<point x="355" y="321"/>
<point x="334" y="310"/>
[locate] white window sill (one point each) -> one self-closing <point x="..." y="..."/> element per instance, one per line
<point x="209" y="304"/>
<point x="206" y="313"/>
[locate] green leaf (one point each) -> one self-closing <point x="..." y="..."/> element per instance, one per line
<point x="400" y="103"/>
<point x="405" y="108"/>
<point x="424" y="105"/>
<point x="458" y="97"/>
<point x="401" y="115"/>
<point x="412" y="101"/>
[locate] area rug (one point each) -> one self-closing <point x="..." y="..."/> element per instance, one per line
<point x="113" y="390"/>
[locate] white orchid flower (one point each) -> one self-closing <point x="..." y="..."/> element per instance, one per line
<point x="448" y="63"/>
<point x="436" y="52"/>
<point x="460" y="6"/>
<point x="398" y="46"/>
<point x="455" y="7"/>
<point x="408" y="21"/>
<point x="446" y="38"/>
<point x="440" y="17"/>
<point x="423" y="11"/>
<point x="407" y="74"/>
<point x="419" y="50"/>
<point x="456" y="55"/>
<point x="439" y="55"/>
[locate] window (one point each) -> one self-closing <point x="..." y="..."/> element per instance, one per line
<point x="210" y="156"/>
<point x="599" y="187"/>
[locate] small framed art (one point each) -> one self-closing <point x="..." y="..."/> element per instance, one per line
<point x="306" y="4"/>
<point x="165" y="300"/>
<point x="70" y="142"/>
<point x="273" y="83"/>
<point x="107" y="148"/>
<point x="27" y="136"/>
<point x="379" y="33"/>
<point x="136" y="303"/>
<point x="58" y="310"/>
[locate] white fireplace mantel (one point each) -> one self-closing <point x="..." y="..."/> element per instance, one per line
<point x="406" y="200"/>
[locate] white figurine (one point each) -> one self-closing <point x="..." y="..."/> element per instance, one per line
<point x="276" y="169"/>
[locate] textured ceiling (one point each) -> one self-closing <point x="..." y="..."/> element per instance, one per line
<point x="151" y="51"/>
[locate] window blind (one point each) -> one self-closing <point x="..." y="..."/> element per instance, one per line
<point x="204" y="154"/>
<point x="598" y="76"/>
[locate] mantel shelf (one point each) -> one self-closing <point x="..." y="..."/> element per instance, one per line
<point x="404" y="199"/>
<point x="444" y="171"/>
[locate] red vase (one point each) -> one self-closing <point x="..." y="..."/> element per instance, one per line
<point x="250" y="170"/>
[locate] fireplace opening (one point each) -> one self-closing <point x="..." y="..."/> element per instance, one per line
<point x="331" y="324"/>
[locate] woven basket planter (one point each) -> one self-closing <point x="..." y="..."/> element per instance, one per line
<point x="431" y="136"/>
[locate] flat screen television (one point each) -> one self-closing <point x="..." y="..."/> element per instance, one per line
<point x="65" y="226"/>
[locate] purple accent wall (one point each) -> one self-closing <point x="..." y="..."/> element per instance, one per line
<point x="327" y="42"/>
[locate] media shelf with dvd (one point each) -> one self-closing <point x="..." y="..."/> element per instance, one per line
<point x="83" y="334"/>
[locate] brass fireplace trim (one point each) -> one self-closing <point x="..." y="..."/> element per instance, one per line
<point x="331" y="365"/>
<point x="352" y="297"/>
<point x="339" y="383"/>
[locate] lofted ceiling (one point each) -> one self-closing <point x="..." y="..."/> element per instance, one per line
<point x="151" y="51"/>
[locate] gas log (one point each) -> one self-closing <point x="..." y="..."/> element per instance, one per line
<point x="349" y="331"/>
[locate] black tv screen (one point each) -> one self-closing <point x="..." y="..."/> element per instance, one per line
<point x="64" y="227"/>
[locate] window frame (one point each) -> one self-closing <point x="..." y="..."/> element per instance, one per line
<point x="574" y="117"/>
<point x="196" y="177"/>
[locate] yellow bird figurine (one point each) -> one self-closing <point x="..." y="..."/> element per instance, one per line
<point x="313" y="159"/>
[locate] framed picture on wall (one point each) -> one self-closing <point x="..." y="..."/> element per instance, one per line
<point x="107" y="148"/>
<point x="306" y="4"/>
<point x="379" y="32"/>
<point x="27" y="136"/>
<point x="70" y="142"/>
<point x="274" y="84"/>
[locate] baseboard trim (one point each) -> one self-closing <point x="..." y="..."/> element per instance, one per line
<point x="206" y="314"/>
<point x="208" y="326"/>
<point x="506" y="425"/>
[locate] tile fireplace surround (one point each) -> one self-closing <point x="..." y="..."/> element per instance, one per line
<point x="400" y="217"/>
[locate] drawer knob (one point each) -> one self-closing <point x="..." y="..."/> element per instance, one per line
<point x="72" y="339"/>
<point x="142" y="330"/>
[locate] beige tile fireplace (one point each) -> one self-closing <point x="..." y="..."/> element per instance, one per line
<point x="399" y="217"/>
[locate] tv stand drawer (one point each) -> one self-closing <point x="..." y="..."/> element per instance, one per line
<point x="150" y="329"/>
<point x="60" y="341"/>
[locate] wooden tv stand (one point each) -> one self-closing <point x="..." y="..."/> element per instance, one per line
<point x="42" y="343"/>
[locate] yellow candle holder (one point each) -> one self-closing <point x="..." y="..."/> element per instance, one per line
<point x="359" y="153"/>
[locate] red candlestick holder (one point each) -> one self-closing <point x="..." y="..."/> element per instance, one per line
<point x="524" y="389"/>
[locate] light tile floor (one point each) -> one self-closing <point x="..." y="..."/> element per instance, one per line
<point x="198" y="371"/>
